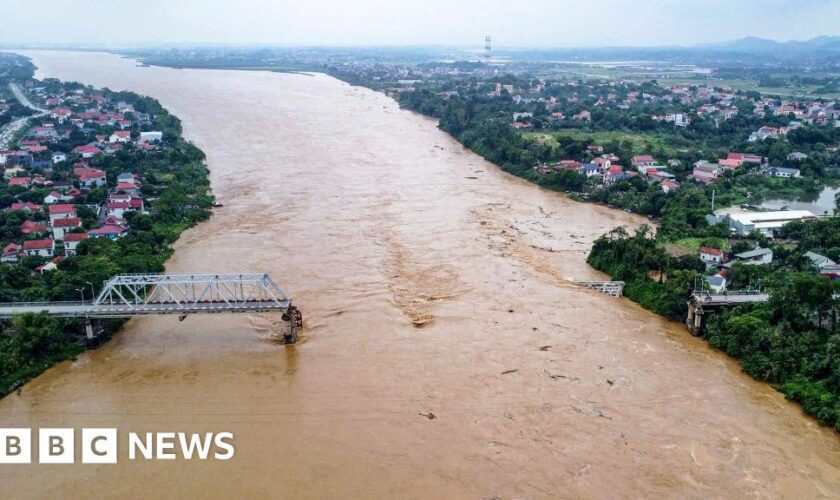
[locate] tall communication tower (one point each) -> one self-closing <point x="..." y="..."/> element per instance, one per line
<point x="487" y="47"/>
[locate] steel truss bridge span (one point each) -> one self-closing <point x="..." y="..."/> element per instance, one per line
<point x="130" y="295"/>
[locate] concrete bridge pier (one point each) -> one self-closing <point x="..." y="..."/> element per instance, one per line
<point x="93" y="333"/>
<point x="694" y="320"/>
<point x="294" y="319"/>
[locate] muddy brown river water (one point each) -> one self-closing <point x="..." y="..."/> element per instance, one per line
<point x="374" y="221"/>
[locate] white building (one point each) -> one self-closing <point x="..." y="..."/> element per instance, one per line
<point x="765" y="222"/>
<point x="150" y="137"/>
<point x="757" y="256"/>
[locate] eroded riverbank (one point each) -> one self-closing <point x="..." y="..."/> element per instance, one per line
<point x="374" y="220"/>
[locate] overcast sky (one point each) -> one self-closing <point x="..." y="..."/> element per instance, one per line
<point x="512" y="23"/>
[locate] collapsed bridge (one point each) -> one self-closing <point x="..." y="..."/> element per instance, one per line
<point x="130" y="295"/>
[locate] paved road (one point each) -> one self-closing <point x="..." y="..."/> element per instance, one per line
<point x="11" y="128"/>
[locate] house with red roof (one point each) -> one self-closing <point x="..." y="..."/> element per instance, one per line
<point x="642" y="161"/>
<point x="742" y="158"/>
<point x="603" y="163"/>
<point x="31" y="227"/>
<point x="71" y="242"/>
<point x="39" y="248"/>
<point x="60" y="114"/>
<point x="710" y="255"/>
<point x="20" y="181"/>
<point x="90" y="177"/>
<point x="61" y="211"/>
<point x="50" y="266"/>
<point x="110" y="231"/>
<point x="121" y="136"/>
<point x="86" y="151"/>
<point x="669" y="185"/>
<point x="11" y="253"/>
<point x="25" y="206"/>
<point x="118" y="205"/>
<point x="61" y="226"/>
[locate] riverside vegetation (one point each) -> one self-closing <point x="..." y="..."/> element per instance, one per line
<point x="175" y="186"/>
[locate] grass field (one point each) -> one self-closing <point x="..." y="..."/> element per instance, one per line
<point x="640" y="143"/>
<point x="690" y="246"/>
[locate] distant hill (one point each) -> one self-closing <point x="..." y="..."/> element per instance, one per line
<point x="823" y="45"/>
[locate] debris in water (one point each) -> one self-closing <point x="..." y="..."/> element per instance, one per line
<point x="545" y="347"/>
<point x="611" y="382"/>
<point x="429" y="415"/>
<point x="510" y="371"/>
<point x="558" y="377"/>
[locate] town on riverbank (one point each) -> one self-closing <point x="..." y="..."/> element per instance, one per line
<point x="702" y="157"/>
<point x="95" y="183"/>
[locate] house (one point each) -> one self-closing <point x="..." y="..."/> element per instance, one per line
<point x="30" y="227"/>
<point x="61" y="211"/>
<point x="603" y="163"/>
<point x="706" y="173"/>
<point x="717" y="283"/>
<point x="757" y="256"/>
<point x="62" y="226"/>
<point x="767" y="133"/>
<point x="614" y="173"/>
<point x="110" y="231"/>
<point x="118" y="206"/>
<point x="710" y="255"/>
<point x="742" y="158"/>
<point x="11" y="254"/>
<point x="678" y="119"/>
<point x="590" y="170"/>
<point x="24" y="182"/>
<point x="86" y="151"/>
<point x="669" y="185"/>
<point x="39" y="248"/>
<point x="128" y="188"/>
<point x="121" y="136"/>
<point x="150" y="137"/>
<point x="821" y="262"/>
<point x="781" y="172"/>
<point x="25" y="206"/>
<point x="49" y="266"/>
<point x="642" y="161"/>
<point x="583" y="115"/>
<point x="90" y="177"/>
<point x="126" y="177"/>
<point x="765" y="222"/>
<point x="71" y="242"/>
<point x="53" y="197"/>
<point x="59" y="157"/>
<point x="60" y="114"/>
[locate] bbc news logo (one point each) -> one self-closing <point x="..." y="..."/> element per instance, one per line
<point x="100" y="446"/>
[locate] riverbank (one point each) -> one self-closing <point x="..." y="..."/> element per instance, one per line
<point x="118" y="226"/>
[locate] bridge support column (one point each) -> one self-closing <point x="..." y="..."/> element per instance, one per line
<point x="89" y="329"/>
<point x="295" y="320"/>
<point x="694" y="321"/>
<point x="93" y="339"/>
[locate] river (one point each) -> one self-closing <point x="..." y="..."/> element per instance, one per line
<point x="430" y="282"/>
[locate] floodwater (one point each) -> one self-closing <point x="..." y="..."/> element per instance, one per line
<point x="819" y="203"/>
<point x="429" y="282"/>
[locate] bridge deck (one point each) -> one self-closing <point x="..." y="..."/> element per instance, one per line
<point x="86" y="309"/>
<point x="729" y="299"/>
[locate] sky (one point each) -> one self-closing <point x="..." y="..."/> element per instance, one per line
<point x="511" y="23"/>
